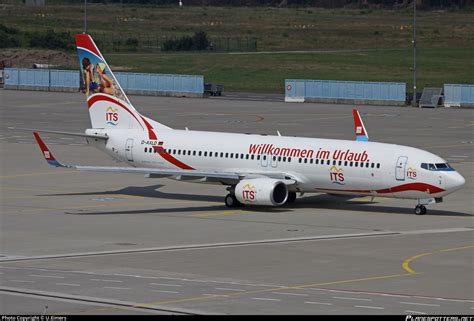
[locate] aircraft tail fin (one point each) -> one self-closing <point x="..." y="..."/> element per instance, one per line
<point x="360" y="131"/>
<point x="109" y="106"/>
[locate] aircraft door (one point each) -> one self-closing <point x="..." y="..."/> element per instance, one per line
<point x="400" y="168"/>
<point x="128" y="149"/>
<point x="274" y="161"/>
<point x="264" y="160"/>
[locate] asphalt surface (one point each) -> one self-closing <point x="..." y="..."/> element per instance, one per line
<point x="92" y="243"/>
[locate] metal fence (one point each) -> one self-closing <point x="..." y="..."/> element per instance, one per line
<point x="49" y="78"/>
<point x="459" y="95"/>
<point x="345" y="91"/>
<point x="160" y="83"/>
<point x="133" y="83"/>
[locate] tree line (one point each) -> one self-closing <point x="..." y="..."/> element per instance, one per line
<point x="426" y="4"/>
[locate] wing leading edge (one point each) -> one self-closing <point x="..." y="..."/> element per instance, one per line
<point x="227" y="178"/>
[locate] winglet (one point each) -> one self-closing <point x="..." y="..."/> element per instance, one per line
<point x="360" y="132"/>
<point x="46" y="153"/>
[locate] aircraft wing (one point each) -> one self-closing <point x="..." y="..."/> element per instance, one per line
<point x="223" y="177"/>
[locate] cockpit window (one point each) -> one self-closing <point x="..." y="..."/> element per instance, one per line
<point x="437" y="167"/>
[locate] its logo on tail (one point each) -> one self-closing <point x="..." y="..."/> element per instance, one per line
<point x="111" y="116"/>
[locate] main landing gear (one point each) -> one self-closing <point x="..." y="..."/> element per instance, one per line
<point x="231" y="201"/>
<point x="420" y="210"/>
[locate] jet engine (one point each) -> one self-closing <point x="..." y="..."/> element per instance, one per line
<point x="261" y="191"/>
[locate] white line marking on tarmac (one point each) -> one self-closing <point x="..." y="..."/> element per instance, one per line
<point x="320" y="303"/>
<point x="287" y="293"/>
<point x="346" y="298"/>
<point x="102" y="280"/>
<point x="228" y="289"/>
<point x="23" y="281"/>
<point x="172" y="285"/>
<point x="68" y="284"/>
<point x="417" y="312"/>
<point x="265" y="299"/>
<point x="423" y="304"/>
<point x="220" y="295"/>
<point x="368" y="307"/>
<point x="115" y="288"/>
<point x="163" y="291"/>
<point x="46" y="276"/>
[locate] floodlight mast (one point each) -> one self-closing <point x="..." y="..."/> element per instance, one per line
<point x="414" y="54"/>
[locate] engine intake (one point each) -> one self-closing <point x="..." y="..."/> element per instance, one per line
<point x="261" y="191"/>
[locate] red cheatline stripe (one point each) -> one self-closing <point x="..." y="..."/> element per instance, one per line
<point x="151" y="133"/>
<point x="422" y="187"/>
<point x="43" y="147"/>
<point x="85" y="41"/>
<point x="160" y="150"/>
<point x="171" y="159"/>
<point x="99" y="97"/>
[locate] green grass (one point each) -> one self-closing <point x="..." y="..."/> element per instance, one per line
<point x="267" y="72"/>
<point x="370" y="45"/>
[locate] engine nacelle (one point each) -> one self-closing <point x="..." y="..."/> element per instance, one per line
<point x="261" y="191"/>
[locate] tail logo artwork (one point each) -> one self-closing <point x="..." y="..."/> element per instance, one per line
<point x="111" y="116"/>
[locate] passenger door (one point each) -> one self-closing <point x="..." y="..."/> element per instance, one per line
<point x="400" y="168"/>
<point x="128" y="149"/>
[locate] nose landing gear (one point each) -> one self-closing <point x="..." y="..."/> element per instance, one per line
<point x="420" y="210"/>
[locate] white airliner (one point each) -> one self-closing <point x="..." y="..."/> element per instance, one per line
<point x="257" y="169"/>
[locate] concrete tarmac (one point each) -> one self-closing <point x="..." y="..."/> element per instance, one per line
<point x="100" y="243"/>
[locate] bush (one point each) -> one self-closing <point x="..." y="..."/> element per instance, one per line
<point x="7" y="41"/>
<point x="5" y="29"/>
<point x="51" y="40"/>
<point x="197" y="42"/>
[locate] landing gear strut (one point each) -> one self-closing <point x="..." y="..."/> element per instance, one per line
<point x="231" y="201"/>
<point x="420" y="210"/>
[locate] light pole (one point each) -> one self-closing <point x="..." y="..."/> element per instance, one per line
<point x="413" y="103"/>
<point x="85" y="16"/>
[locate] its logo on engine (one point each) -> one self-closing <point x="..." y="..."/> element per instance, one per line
<point x="336" y="175"/>
<point x="411" y="173"/>
<point x="249" y="193"/>
<point x="111" y="116"/>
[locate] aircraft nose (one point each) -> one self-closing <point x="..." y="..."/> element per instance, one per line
<point x="457" y="181"/>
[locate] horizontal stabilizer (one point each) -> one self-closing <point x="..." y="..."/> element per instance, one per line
<point x="97" y="136"/>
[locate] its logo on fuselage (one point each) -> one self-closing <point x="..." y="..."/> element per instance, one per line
<point x="111" y="116"/>
<point x="336" y="175"/>
<point x="249" y="193"/>
<point x="411" y="173"/>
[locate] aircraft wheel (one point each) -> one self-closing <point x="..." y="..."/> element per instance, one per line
<point x="231" y="201"/>
<point x="420" y="210"/>
<point x="291" y="197"/>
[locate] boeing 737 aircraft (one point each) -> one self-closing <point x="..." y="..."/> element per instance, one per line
<point x="257" y="169"/>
